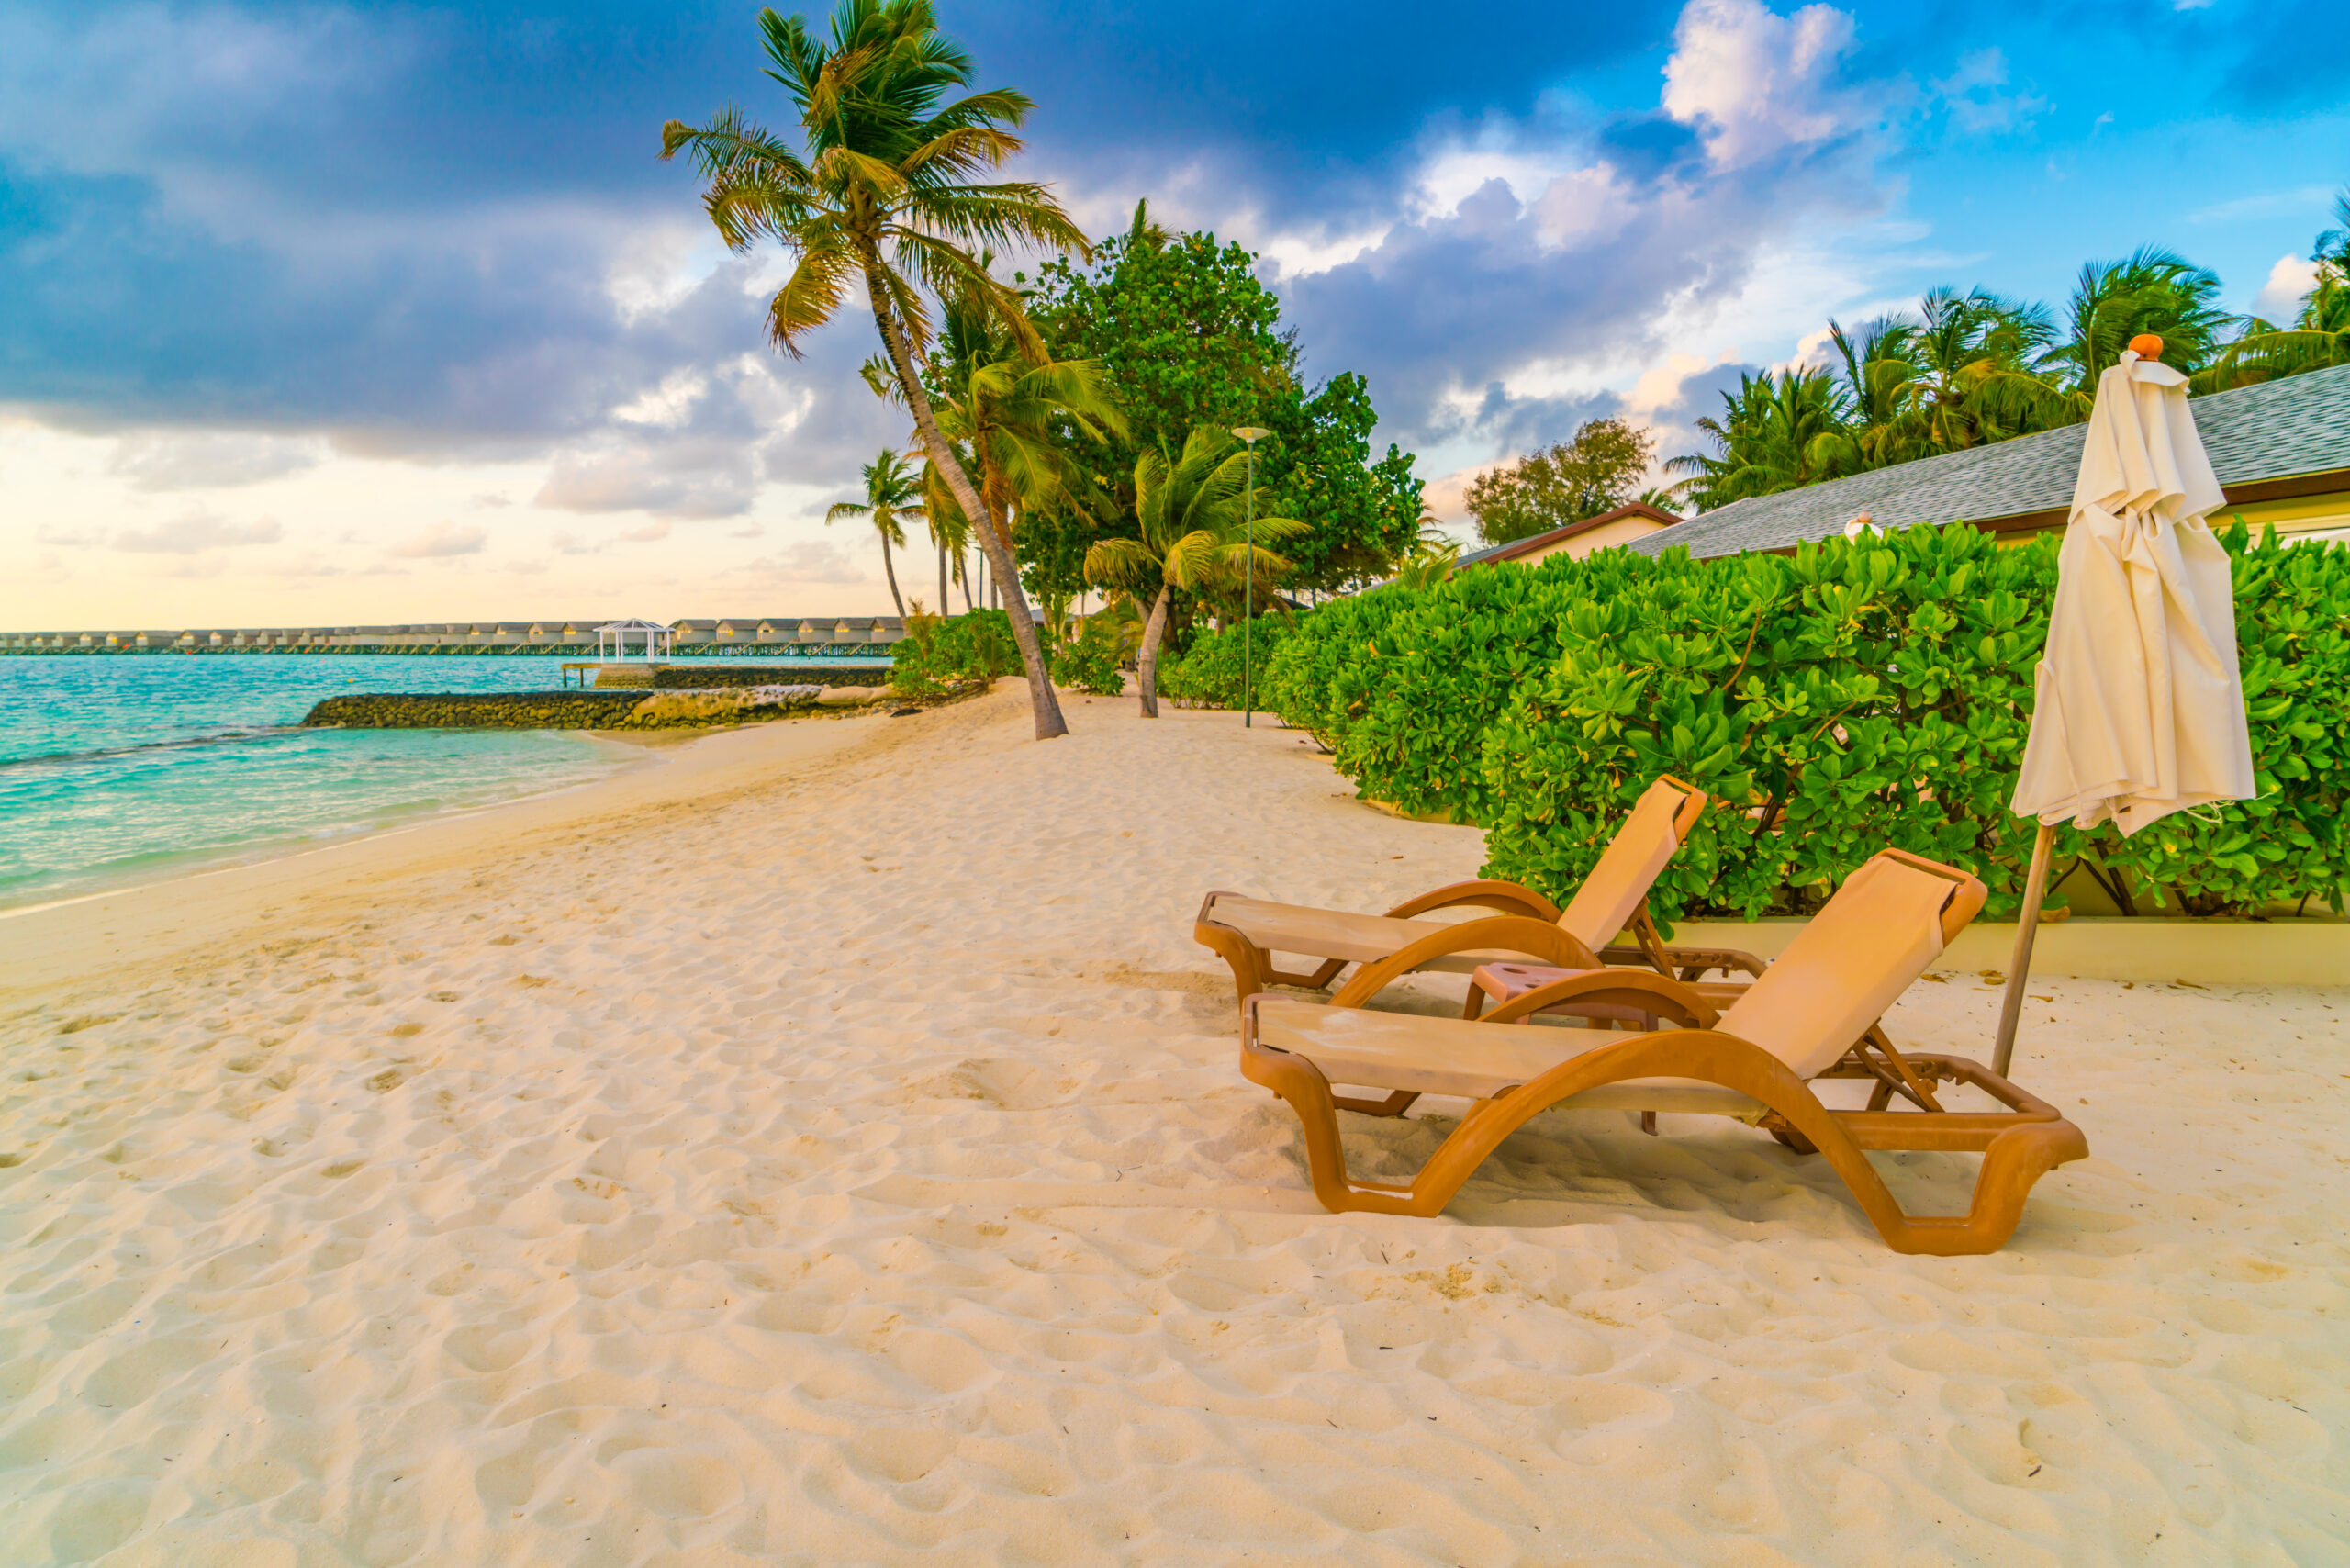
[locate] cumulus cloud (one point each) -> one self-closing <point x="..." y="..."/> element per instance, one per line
<point x="1754" y="84"/>
<point x="647" y="534"/>
<point x="2289" y="283"/>
<point x="444" y="539"/>
<point x="195" y="533"/>
<point x="573" y="544"/>
<point x="1586" y="252"/>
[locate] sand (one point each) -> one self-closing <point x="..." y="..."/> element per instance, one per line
<point x="825" y="1146"/>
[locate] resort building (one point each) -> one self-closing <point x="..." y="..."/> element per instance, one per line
<point x="836" y="634"/>
<point x="2281" y="451"/>
<point x="1576" y="539"/>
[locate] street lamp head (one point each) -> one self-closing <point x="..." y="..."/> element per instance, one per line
<point x="1251" y="433"/>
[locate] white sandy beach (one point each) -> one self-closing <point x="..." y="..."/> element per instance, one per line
<point x="827" y="1146"/>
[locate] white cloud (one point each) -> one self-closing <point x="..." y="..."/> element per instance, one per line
<point x="647" y="534"/>
<point x="2290" y="283"/>
<point x="667" y="405"/>
<point x="210" y="459"/>
<point x="443" y="539"/>
<point x="196" y="532"/>
<point x="753" y="531"/>
<point x="1755" y="84"/>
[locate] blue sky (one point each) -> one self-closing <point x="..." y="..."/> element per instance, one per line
<point x="387" y="312"/>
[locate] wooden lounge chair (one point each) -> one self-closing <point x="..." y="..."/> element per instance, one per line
<point x="1247" y="932"/>
<point x="1752" y="1062"/>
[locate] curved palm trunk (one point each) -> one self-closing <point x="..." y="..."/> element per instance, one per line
<point x="1042" y="699"/>
<point x="890" y="571"/>
<point x="944" y="604"/>
<point x="1147" y="658"/>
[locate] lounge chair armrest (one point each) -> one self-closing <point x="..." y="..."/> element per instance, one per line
<point x="1642" y="988"/>
<point x="1544" y="941"/>
<point x="1510" y="898"/>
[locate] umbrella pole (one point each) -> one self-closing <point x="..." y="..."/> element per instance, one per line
<point x="2035" y="888"/>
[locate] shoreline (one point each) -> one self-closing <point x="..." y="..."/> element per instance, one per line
<point x="87" y="932"/>
<point x="271" y="852"/>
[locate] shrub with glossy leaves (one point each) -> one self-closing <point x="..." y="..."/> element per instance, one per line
<point x="1210" y="673"/>
<point x="941" y="654"/>
<point x="1854" y="696"/>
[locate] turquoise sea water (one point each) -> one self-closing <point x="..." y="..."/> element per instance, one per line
<point x="119" y="769"/>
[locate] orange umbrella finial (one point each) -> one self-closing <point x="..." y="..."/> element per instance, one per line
<point x="2145" y="345"/>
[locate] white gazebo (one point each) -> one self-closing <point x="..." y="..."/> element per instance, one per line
<point x="652" y="639"/>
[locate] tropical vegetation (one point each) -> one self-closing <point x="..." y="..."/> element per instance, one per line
<point x="1858" y="694"/>
<point x="1192" y="533"/>
<point x="893" y="494"/>
<point x="1965" y="370"/>
<point x="1188" y="337"/>
<point x="880" y="187"/>
<point x="1044" y="412"/>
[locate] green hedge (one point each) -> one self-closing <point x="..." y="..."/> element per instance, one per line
<point x="1209" y="673"/>
<point x="1853" y="696"/>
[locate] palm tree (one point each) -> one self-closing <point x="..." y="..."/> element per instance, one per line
<point x="1877" y="367"/>
<point x="2320" y="335"/>
<point x="1190" y="514"/>
<point x="2151" y="290"/>
<point x="881" y="190"/>
<point x="1780" y="430"/>
<point x="891" y="492"/>
<point x="1008" y="418"/>
<point x="1970" y="379"/>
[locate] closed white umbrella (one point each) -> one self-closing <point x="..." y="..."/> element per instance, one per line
<point x="2140" y="710"/>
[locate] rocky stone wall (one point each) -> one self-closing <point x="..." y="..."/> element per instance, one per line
<point x="484" y="711"/>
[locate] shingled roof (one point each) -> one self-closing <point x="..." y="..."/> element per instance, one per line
<point x="2279" y="430"/>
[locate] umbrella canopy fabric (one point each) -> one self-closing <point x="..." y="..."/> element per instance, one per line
<point x="2141" y="709"/>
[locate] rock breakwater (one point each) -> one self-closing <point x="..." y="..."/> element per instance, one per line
<point x="487" y="710"/>
<point x="695" y="708"/>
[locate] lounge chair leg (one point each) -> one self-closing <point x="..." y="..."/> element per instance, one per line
<point x="1475" y="1003"/>
<point x="1648" y="1123"/>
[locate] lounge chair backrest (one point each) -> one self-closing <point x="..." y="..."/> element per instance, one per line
<point x="1609" y="897"/>
<point x="1890" y="920"/>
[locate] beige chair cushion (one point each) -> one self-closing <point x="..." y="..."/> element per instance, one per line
<point x="1332" y="934"/>
<point x="1475" y="1062"/>
<point x="1611" y="895"/>
<point x="1846" y="967"/>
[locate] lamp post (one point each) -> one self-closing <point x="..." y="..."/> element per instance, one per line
<point x="1250" y="435"/>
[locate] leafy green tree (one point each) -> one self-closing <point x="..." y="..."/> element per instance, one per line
<point x="1190" y="338"/>
<point x="1192" y="534"/>
<point x="1594" y="472"/>
<point x="880" y="189"/>
<point x="891" y="495"/>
